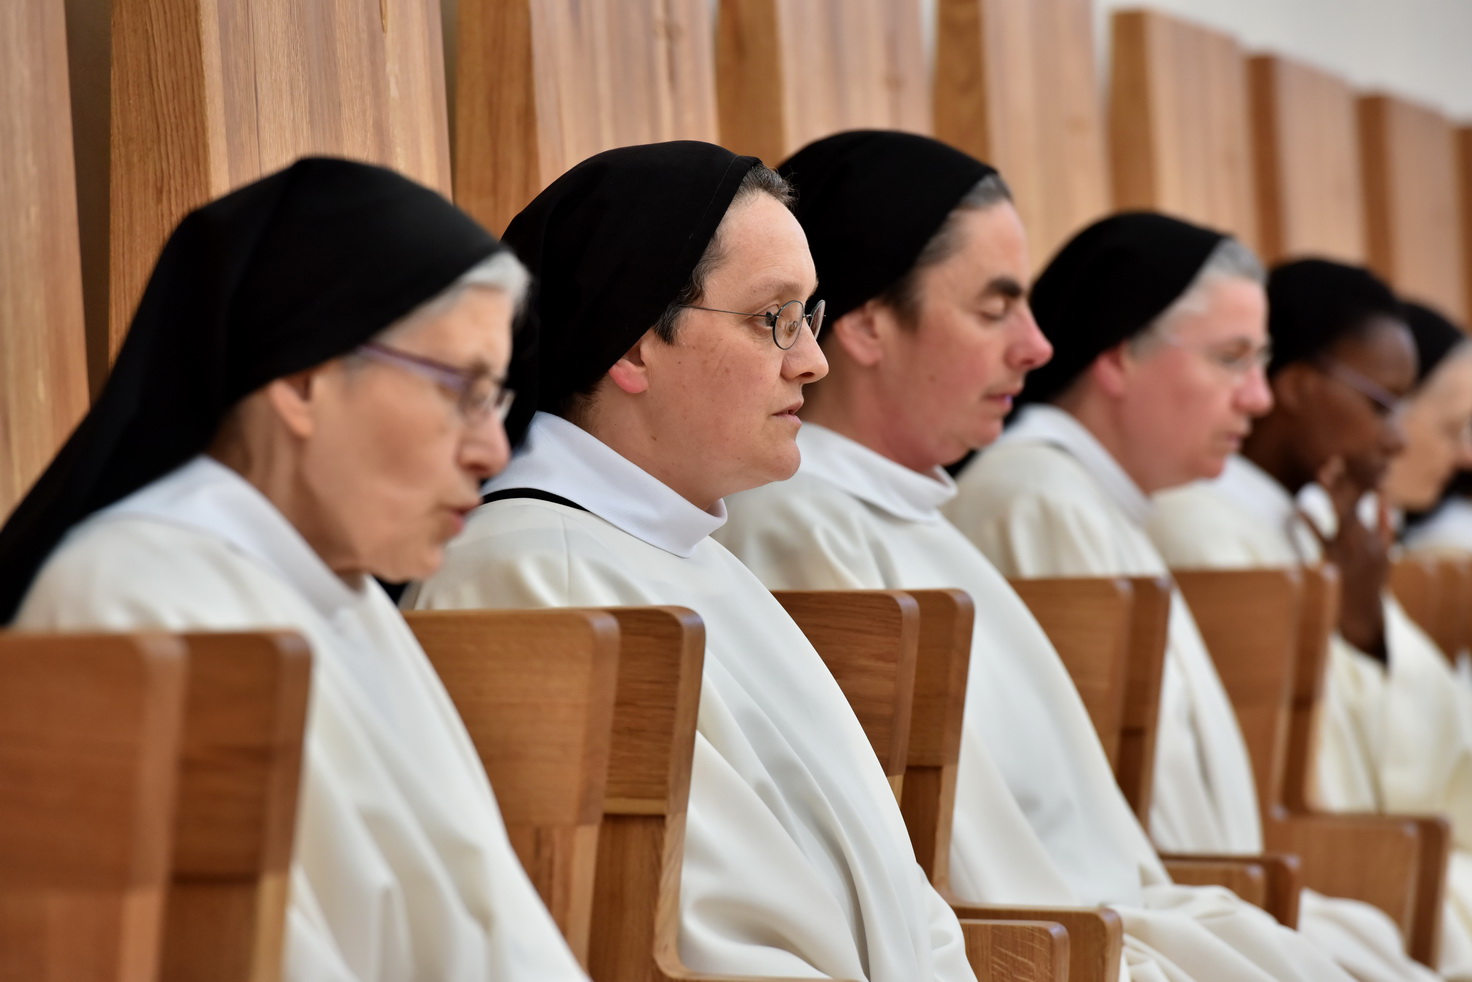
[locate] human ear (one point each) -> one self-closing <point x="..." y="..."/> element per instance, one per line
<point x="1293" y="388"/>
<point x="631" y="372"/>
<point x="290" y="398"/>
<point x="860" y="333"/>
<point x="1111" y="370"/>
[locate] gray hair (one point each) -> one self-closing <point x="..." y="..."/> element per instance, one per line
<point x="903" y="296"/>
<point x="501" y="271"/>
<point x="1230" y="260"/>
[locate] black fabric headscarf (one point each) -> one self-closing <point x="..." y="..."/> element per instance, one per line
<point x="869" y="201"/>
<point x="1435" y="337"/>
<point x="1313" y="303"/>
<point x="1107" y="285"/>
<point x="281" y="275"/>
<point x="611" y="243"/>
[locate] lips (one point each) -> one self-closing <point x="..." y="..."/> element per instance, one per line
<point x="790" y="410"/>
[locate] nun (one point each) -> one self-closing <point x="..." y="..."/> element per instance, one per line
<point x="925" y="269"/>
<point x="1159" y="330"/>
<point x="1437" y="419"/>
<point x="308" y="397"/>
<point x="1395" y="734"/>
<point x="676" y="336"/>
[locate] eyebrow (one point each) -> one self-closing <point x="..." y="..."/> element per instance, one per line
<point x="786" y="289"/>
<point x="1004" y="286"/>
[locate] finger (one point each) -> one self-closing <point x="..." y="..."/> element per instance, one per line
<point x="1313" y="526"/>
<point x="1384" y="524"/>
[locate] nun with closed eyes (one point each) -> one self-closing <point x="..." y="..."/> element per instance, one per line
<point x="675" y="344"/>
<point x="309" y="396"/>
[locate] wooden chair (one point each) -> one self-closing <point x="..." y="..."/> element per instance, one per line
<point x="1435" y="590"/>
<point x="790" y="73"/>
<point x="1250" y="621"/>
<point x="1015" y="85"/>
<point x="851" y="631"/>
<point x="536" y="691"/>
<point x="239" y="772"/>
<point x="1149" y="631"/>
<point x="43" y="373"/>
<point x="89" y="743"/>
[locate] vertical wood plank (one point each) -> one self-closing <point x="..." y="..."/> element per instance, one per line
<point x="43" y="361"/>
<point x="1411" y="202"/>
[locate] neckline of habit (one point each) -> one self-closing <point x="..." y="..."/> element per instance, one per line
<point x="563" y="459"/>
<point x="872" y="477"/>
<point x="1043" y="423"/>
<point x="205" y="495"/>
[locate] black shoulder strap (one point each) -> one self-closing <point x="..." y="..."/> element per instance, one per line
<point x="536" y="493"/>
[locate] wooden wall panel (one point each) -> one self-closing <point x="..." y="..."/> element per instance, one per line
<point x="1411" y="202"/>
<point x="1015" y="86"/>
<point x="542" y="84"/>
<point x="1305" y="142"/>
<point x="43" y="359"/>
<point x="211" y="94"/>
<point x="1178" y="123"/>
<point x="1464" y="181"/>
<point x="792" y="71"/>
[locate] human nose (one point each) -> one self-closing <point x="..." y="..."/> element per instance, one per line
<point x="1393" y="435"/>
<point x="804" y="361"/>
<point x="1032" y="348"/>
<point x="485" y="451"/>
<point x="1254" y="394"/>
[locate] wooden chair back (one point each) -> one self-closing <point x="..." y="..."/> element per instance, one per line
<point x="542" y="84"/>
<point x="536" y="691"/>
<point x="239" y="771"/>
<point x="208" y="95"/>
<point x="1317" y="622"/>
<point x="1249" y="620"/>
<point x="43" y="373"/>
<point x="869" y="641"/>
<point x="1306" y="153"/>
<point x="1149" y="633"/>
<point x="1088" y="619"/>
<point x="1411" y="199"/>
<point x="1015" y="86"/>
<point x="790" y="73"/>
<point x="1454" y="597"/>
<point x="1178" y="124"/>
<point x="89" y="743"/>
<point x="1464" y="211"/>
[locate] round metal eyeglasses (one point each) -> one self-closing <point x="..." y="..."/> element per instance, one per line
<point x="786" y="321"/>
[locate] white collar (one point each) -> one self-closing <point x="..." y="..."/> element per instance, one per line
<point x="1257" y="492"/>
<point x="567" y="460"/>
<point x="1041" y="423"/>
<point x="206" y="495"/>
<point x="873" y="477"/>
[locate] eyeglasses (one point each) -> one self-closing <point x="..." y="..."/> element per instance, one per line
<point x="478" y="392"/>
<point x="1386" y="403"/>
<point x="786" y="321"/>
<point x="1237" y="363"/>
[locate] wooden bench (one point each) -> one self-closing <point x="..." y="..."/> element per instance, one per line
<point x="90" y="729"/>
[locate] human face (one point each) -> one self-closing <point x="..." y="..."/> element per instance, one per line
<point x="391" y="459"/>
<point x="1333" y="419"/>
<point x="720" y="407"/>
<point x="1437" y="423"/>
<point x="947" y="381"/>
<point x="1183" y="411"/>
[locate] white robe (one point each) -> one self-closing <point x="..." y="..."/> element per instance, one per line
<point x="797" y="861"/>
<point x="852" y="519"/>
<point x="1396" y="740"/>
<point x="1448" y="530"/>
<point x="1048" y="500"/>
<point x="402" y="868"/>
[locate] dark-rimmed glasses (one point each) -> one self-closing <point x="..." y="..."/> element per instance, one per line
<point x="1386" y="403"/>
<point x="786" y="321"/>
<point x="479" y="393"/>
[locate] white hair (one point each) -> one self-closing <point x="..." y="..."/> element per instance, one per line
<point x="501" y="271"/>
<point x="1230" y="260"/>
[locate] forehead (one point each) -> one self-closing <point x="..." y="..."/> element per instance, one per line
<point x="474" y="325"/>
<point x="1385" y="346"/>
<point x="763" y="248"/>
<point x="991" y="242"/>
<point x="1225" y="309"/>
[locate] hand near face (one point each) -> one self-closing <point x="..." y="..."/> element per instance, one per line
<point x="1362" y="555"/>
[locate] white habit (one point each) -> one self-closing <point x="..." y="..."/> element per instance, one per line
<point x="402" y="868"/>
<point x="1391" y="740"/>
<point x="1447" y="530"/>
<point x="797" y="861"/>
<point x="1048" y="500"/>
<point x="1036" y="799"/>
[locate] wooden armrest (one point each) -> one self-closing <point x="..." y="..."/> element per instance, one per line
<point x="1017" y="951"/>
<point x="1095" y="935"/>
<point x="1272" y="881"/>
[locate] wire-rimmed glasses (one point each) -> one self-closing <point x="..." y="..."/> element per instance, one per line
<point x="479" y="393"/>
<point x="1386" y="403"/>
<point x="786" y="321"/>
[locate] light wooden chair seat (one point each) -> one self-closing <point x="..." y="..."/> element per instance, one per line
<point x="1250" y="620"/>
<point x="850" y="630"/>
<point x="239" y="774"/>
<point x="90" y="729"/>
